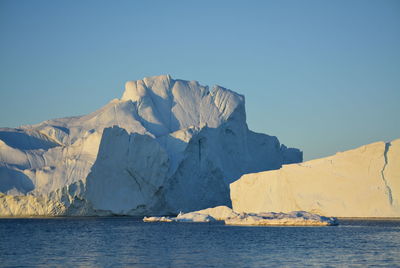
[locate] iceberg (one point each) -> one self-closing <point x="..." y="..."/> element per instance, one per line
<point x="363" y="182"/>
<point x="165" y="146"/>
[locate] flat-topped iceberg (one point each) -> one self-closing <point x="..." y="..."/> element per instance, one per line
<point x="363" y="182"/>
<point x="230" y="217"/>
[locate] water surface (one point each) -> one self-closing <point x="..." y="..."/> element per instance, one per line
<point x="128" y="242"/>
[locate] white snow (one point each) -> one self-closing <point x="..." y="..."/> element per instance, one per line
<point x="364" y="182"/>
<point x="166" y="146"/>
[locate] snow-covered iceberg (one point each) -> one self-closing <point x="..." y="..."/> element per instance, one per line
<point x="363" y="182"/>
<point x="166" y="146"/>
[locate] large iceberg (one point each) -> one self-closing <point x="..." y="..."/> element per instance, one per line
<point x="166" y="146"/>
<point x="364" y="182"/>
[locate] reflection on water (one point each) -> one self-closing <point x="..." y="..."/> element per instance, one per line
<point x="123" y="241"/>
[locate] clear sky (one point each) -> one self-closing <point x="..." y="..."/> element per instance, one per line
<point x="322" y="76"/>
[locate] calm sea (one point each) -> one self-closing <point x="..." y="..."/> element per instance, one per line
<point x="128" y="242"/>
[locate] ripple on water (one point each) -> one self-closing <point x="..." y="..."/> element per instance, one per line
<point x="124" y="241"/>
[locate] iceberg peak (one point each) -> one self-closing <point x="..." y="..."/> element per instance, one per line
<point x="165" y="105"/>
<point x="136" y="89"/>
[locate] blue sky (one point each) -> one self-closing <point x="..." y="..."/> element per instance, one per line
<point x="323" y="76"/>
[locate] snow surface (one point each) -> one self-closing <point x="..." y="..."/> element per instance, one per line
<point x="166" y="146"/>
<point x="230" y="217"/>
<point x="364" y="182"/>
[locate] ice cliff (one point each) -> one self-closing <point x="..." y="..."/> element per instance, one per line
<point x="364" y="182"/>
<point x="166" y="146"/>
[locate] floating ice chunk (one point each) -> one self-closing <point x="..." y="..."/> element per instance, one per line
<point x="182" y="217"/>
<point x="157" y="219"/>
<point x="193" y="217"/>
<point x="295" y="218"/>
<point x="223" y="213"/>
<point x="219" y="213"/>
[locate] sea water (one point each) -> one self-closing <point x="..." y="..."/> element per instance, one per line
<point x="129" y="242"/>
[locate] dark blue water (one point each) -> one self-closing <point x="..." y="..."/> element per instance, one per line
<point x="128" y="242"/>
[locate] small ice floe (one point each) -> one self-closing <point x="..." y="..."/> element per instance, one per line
<point x="230" y="217"/>
<point x="182" y="217"/>
<point x="193" y="217"/>
<point x="155" y="219"/>
<point x="295" y="218"/>
<point x="219" y="213"/>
